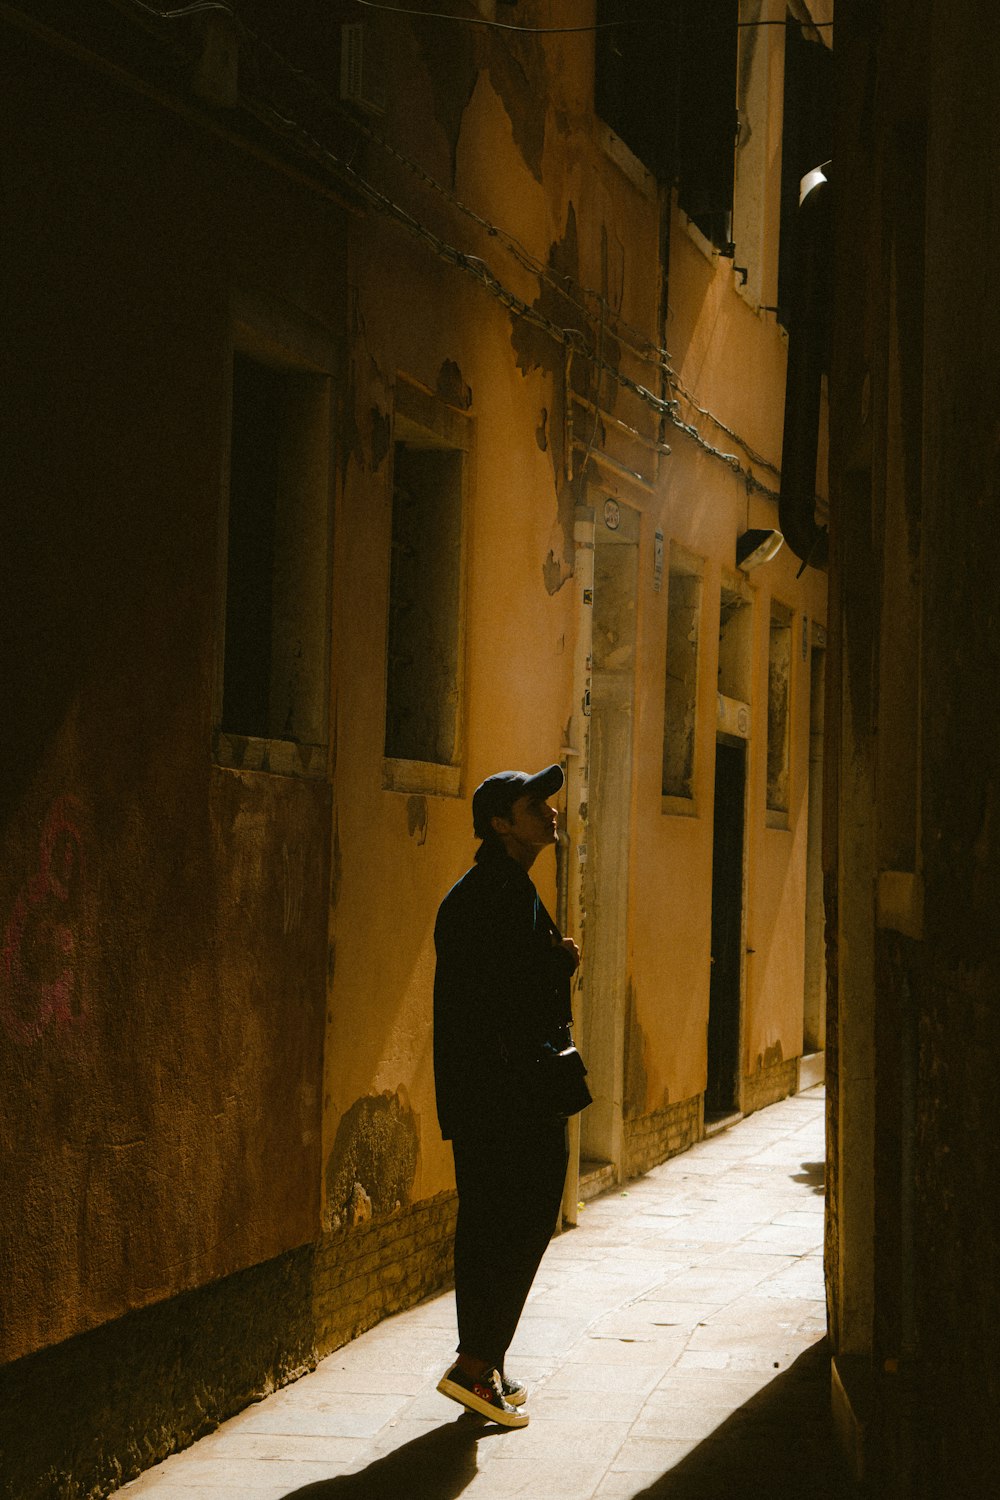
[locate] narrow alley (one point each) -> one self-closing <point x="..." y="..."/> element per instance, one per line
<point x="673" y="1346"/>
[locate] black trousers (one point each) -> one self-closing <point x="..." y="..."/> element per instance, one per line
<point x="508" y="1203"/>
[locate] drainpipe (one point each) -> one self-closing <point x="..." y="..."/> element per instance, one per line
<point x="808" y="357"/>
<point x="577" y="758"/>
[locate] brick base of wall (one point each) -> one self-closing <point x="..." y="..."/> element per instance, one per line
<point x="80" y="1419"/>
<point x="364" y="1274"/>
<point x="89" y="1414"/>
<point x="652" y="1138"/>
<point x="769" y="1085"/>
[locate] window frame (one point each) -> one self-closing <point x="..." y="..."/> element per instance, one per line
<point x="285" y="339"/>
<point x="418" y="412"/>
<point x="682" y="563"/>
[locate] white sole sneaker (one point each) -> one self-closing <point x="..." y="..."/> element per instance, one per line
<point x="482" y="1398"/>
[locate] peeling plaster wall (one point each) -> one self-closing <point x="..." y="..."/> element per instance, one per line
<point x="716" y="341"/>
<point x="535" y="168"/>
<point x="370" y="1170"/>
<point x="401" y="852"/>
<point x="164" y="920"/>
<point x="252" y="956"/>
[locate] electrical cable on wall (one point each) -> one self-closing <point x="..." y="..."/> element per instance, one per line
<point x="434" y="15"/>
<point x="758" y="459"/>
<point x="644" y="21"/>
<point x="646" y="348"/>
<point x="649" y="351"/>
<point x="187" y="10"/>
<point x="571" y="339"/>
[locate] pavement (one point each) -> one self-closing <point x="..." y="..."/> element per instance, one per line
<point x="673" y="1345"/>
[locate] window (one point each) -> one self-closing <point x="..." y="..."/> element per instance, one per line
<point x="276" y="627"/>
<point x="665" y="81"/>
<point x="735" y="643"/>
<point x="635" y="72"/>
<point x="424" y="633"/>
<point x="779" y="682"/>
<point x="681" y="687"/>
<point x="707" y="117"/>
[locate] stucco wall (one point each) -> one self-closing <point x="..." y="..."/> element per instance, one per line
<point x="912" y="1281"/>
<point x="735" y="359"/>
<point x="217" y="998"/>
<point x="161" y="998"/>
<point x="583" y="204"/>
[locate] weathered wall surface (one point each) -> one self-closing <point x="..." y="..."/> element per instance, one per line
<point x="912" y="1273"/>
<point x="717" y="341"/>
<point x="215" y="997"/>
<point x="959" y="1037"/>
<point x="595" y="216"/>
<point x="164" y="920"/>
<point x="401" y="850"/>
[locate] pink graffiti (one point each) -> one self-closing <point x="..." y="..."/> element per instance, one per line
<point x="39" y="943"/>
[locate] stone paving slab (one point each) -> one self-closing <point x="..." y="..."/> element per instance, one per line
<point x="673" y="1345"/>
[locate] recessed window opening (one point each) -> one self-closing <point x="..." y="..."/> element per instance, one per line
<point x="422" y="660"/>
<point x="635" y="72"/>
<point x="665" y="82"/>
<point x="779" y="676"/>
<point x="681" y="686"/>
<point x="707" y="118"/>
<point x="274" y="667"/>
<point x="735" y="645"/>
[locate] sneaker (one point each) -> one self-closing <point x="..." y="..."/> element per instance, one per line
<point x="514" y="1393"/>
<point x="484" y="1396"/>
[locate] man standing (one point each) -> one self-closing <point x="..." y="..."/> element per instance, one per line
<point x="501" y="993"/>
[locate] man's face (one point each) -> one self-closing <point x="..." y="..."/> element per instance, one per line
<point x="532" y="823"/>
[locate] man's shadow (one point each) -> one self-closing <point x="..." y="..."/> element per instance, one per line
<point x="437" y="1466"/>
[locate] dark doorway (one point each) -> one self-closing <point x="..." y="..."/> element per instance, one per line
<point x="722" y="1091"/>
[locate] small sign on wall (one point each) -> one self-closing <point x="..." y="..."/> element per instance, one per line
<point x="657" y="561"/>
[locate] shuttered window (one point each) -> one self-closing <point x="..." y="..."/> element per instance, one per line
<point x="665" y="82"/>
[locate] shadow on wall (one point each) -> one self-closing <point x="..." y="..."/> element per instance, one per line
<point x="437" y="1466"/>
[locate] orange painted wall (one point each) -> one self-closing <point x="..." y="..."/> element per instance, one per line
<point x="586" y="203"/>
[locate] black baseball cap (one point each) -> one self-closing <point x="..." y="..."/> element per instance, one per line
<point x="495" y="796"/>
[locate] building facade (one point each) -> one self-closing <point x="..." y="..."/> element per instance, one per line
<point x="393" y="400"/>
<point x="912" y="849"/>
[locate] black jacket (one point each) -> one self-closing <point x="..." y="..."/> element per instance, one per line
<point x="501" y="990"/>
